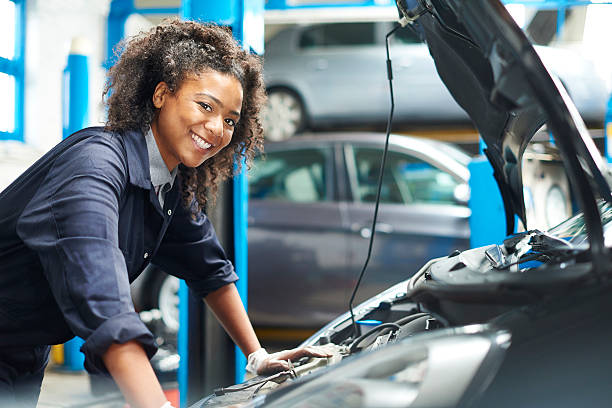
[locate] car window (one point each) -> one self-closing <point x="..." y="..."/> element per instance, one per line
<point x="338" y="34"/>
<point x="294" y="176"/>
<point x="407" y="179"/>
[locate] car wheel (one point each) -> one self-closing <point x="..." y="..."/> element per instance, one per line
<point x="283" y="116"/>
<point x="165" y="298"/>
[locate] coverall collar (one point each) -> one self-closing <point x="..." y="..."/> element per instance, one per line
<point x="137" y="158"/>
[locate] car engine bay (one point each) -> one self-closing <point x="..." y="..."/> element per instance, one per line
<point x="468" y="287"/>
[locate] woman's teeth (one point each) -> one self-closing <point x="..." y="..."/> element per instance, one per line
<point x="200" y="142"/>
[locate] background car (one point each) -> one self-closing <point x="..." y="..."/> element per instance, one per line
<point x="311" y="202"/>
<point x="335" y="74"/>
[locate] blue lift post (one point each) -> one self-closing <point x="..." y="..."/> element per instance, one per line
<point x="246" y="21"/>
<point x="118" y="14"/>
<point x="15" y="67"/>
<point x="76" y="89"/>
<point x="488" y="220"/>
<point x="20" y="35"/>
<point x="75" y="107"/>
<point x="120" y="11"/>
<point x="608" y="132"/>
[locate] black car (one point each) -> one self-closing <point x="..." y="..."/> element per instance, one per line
<point x="520" y="323"/>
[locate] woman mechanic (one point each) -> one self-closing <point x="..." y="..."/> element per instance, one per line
<point x="80" y="224"/>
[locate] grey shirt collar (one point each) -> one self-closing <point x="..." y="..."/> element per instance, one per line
<point x="161" y="178"/>
<point x="157" y="167"/>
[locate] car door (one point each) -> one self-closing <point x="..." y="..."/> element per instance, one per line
<point x="343" y="71"/>
<point x="298" y="249"/>
<point x="419" y="217"/>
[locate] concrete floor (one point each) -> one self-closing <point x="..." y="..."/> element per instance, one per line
<point x="65" y="389"/>
<point x="69" y="389"/>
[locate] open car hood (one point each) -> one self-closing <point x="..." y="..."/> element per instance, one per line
<point x="494" y="73"/>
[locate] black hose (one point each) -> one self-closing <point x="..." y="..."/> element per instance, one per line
<point x="408" y="319"/>
<point x="375" y="330"/>
<point x="395" y="325"/>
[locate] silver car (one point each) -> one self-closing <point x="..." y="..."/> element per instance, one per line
<point x="335" y="74"/>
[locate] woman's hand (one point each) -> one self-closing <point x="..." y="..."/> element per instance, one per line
<point x="227" y="306"/>
<point x="262" y="363"/>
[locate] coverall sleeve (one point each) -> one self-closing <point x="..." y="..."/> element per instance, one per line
<point x="72" y="224"/>
<point x="191" y="251"/>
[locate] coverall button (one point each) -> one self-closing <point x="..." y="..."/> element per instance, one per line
<point x="169" y="212"/>
<point x="146" y="255"/>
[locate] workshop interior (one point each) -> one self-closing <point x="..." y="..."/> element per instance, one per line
<point x="432" y="205"/>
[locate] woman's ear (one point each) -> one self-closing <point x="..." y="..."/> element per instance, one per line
<point x="160" y="94"/>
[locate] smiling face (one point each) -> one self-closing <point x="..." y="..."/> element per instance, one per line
<point x="196" y="121"/>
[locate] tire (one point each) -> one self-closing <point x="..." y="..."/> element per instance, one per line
<point x="164" y="297"/>
<point x="284" y="115"/>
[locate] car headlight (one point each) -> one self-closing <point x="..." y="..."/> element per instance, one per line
<point x="433" y="369"/>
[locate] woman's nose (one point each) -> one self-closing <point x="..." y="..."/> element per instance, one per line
<point x="215" y="126"/>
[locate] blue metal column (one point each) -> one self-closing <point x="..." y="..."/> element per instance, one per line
<point x="488" y="220"/>
<point x="76" y="89"/>
<point x="20" y="36"/>
<point x="608" y="131"/>
<point x="14" y="67"/>
<point x="246" y="21"/>
<point x="241" y="196"/>
<point x="183" y="343"/>
<point x="75" y="117"/>
<point x="119" y="12"/>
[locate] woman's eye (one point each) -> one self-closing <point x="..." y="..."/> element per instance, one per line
<point x="230" y="122"/>
<point x="205" y="106"/>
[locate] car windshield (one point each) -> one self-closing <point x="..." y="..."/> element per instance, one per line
<point x="573" y="229"/>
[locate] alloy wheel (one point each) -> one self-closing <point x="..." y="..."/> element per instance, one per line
<point x="283" y="115"/>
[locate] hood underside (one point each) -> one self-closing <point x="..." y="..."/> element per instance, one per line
<point x="494" y="73"/>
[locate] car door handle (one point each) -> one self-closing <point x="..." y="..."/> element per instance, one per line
<point x="366" y="232"/>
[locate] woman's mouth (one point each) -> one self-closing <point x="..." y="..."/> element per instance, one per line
<point x="201" y="143"/>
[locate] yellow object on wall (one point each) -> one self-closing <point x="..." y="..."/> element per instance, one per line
<point x="57" y="354"/>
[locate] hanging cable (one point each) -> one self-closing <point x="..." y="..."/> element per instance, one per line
<point x="380" y="178"/>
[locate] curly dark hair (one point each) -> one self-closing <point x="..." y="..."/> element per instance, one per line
<point x="171" y="52"/>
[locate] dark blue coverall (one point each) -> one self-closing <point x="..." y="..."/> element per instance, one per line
<point x="75" y="229"/>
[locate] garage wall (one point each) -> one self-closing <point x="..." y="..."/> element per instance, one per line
<point x="51" y="25"/>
